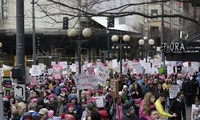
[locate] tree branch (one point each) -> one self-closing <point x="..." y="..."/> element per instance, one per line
<point x="108" y="12"/>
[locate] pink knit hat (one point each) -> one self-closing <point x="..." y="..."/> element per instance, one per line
<point x="51" y="95"/>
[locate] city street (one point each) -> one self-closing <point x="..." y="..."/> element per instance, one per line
<point x="96" y="59"/>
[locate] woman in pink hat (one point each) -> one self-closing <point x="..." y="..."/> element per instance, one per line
<point x="52" y="104"/>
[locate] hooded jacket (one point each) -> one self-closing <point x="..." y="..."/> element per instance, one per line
<point x="77" y="107"/>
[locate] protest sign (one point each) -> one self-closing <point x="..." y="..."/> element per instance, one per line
<point x="125" y="68"/>
<point x="84" y="81"/>
<point x="35" y="70"/>
<point x="90" y="71"/>
<point x="57" y="69"/>
<point x="33" y="80"/>
<point x="100" y="102"/>
<point x="102" y="74"/>
<point x="50" y="71"/>
<point x="42" y="67"/>
<point x="73" y="68"/>
<point x="114" y="63"/>
<point x="173" y="91"/>
<point x="63" y="64"/>
<point x="115" y="87"/>
<point x="137" y="67"/>
<point x="195" y="114"/>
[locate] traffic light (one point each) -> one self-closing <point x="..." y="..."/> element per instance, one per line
<point x="65" y="23"/>
<point x="111" y="21"/>
<point x="19" y="74"/>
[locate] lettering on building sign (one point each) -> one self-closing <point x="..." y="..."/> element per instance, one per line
<point x="175" y="47"/>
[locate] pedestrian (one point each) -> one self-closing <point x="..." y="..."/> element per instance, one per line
<point x="69" y="110"/>
<point x="187" y="87"/>
<point x="43" y="114"/>
<point x="154" y="115"/>
<point x="21" y="109"/>
<point x="160" y="109"/>
<point x="130" y="114"/>
<point x="146" y="105"/>
<point x="118" y="108"/>
<point x="178" y="107"/>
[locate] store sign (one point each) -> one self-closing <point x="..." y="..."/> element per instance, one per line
<point x="175" y="47"/>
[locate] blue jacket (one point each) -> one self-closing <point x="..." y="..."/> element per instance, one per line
<point x="57" y="90"/>
<point x="198" y="78"/>
<point x="77" y="107"/>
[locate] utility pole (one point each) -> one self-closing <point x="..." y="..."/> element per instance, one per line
<point x="162" y="32"/>
<point x="19" y="72"/>
<point x="1" y="97"/>
<point x="20" y="34"/>
<point x="108" y="41"/>
<point x="33" y="33"/>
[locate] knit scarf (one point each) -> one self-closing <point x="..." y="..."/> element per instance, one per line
<point x="119" y="113"/>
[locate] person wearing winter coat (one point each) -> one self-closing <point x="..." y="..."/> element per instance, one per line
<point x="118" y="108"/>
<point x="73" y="99"/>
<point x="198" y="80"/>
<point x="130" y="114"/>
<point x="188" y="89"/>
<point x="178" y="107"/>
<point x="52" y="104"/>
<point x="146" y="105"/>
<point x="125" y="98"/>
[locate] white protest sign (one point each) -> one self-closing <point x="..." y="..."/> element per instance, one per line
<point x="138" y="68"/>
<point x="147" y="68"/>
<point x="109" y="63"/>
<point x="50" y="71"/>
<point x="63" y="64"/>
<point x="84" y="81"/>
<point x="85" y="66"/>
<point x="100" y="102"/>
<point x="191" y="70"/>
<point x="170" y="70"/>
<point x="117" y="69"/>
<point x="125" y="68"/>
<point x="42" y="66"/>
<point x="114" y="63"/>
<point x="173" y="91"/>
<point x="64" y="72"/>
<point x="35" y="70"/>
<point x="99" y="64"/>
<point x="195" y="66"/>
<point x="73" y="68"/>
<point x="53" y="62"/>
<point x="102" y="75"/>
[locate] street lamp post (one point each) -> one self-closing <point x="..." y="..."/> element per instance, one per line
<point x="115" y="39"/>
<point x="87" y="32"/>
<point x="144" y="42"/>
<point x="126" y="48"/>
<point x="1" y="88"/>
<point x="1" y="52"/>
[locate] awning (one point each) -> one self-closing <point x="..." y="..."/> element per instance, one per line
<point x="117" y="26"/>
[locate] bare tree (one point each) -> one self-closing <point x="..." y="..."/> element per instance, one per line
<point x="90" y="8"/>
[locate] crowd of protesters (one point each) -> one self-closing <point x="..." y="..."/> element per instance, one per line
<point x="140" y="97"/>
